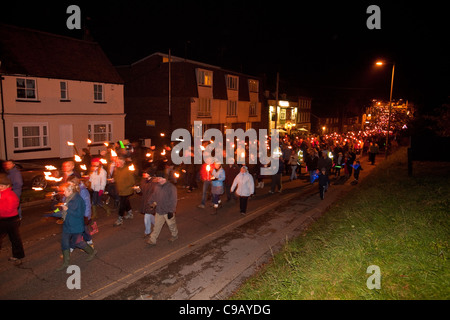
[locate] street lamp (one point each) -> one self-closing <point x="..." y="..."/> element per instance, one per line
<point x="381" y="63"/>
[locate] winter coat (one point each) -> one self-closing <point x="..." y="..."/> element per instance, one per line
<point x="217" y="183"/>
<point x="293" y="160"/>
<point x="244" y="183"/>
<point x="9" y="202"/>
<point x="124" y="179"/>
<point x="98" y="180"/>
<point x="147" y="187"/>
<point x="74" y="220"/>
<point x="165" y="196"/>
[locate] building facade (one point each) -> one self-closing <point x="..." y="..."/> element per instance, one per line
<point x="161" y="97"/>
<point x="56" y="90"/>
<point x="291" y="114"/>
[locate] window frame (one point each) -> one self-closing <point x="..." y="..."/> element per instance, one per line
<point x="96" y="92"/>
<point x="252" y="111"/>
<point x="232" y="82"/>
<point x="204" y="107"/>
<point x="44" y="139"/>
<point x="65" y="90"/>
<point x="252" y="84"/>
<point x="108" y="133"/>
<point x="26" y="88"/>
<point x="232" y="108"/>
<point x="202" y="75"/>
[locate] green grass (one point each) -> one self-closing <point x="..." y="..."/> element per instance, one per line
<point x="396" y="222"/>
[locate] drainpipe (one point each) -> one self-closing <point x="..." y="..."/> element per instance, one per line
<point x="3" y="113"/>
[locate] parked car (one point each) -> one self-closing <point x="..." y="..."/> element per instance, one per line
<point x="33" y="175"/>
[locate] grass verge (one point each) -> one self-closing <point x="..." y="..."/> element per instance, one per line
<point x="390" y="220"/>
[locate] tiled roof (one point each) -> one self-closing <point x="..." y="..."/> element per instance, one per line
<point x="152" y="75"/>
<point x="40" y="54"/>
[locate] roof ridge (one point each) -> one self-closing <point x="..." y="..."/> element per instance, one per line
<point x="47" y="33"/>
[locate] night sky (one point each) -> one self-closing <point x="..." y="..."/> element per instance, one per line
<point x="320" y="48"/>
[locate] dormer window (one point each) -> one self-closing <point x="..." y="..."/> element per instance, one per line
<point x="204" y="77"/>
<point x="232" y="82"/>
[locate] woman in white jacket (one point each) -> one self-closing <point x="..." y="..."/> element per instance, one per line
<point x="97" y="179"/>
<point x="245" y="187"/>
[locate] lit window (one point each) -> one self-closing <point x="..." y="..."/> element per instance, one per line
<point x="99" y="132"/>
<point x="205" y="78"/>
<point x="253" y="85"/>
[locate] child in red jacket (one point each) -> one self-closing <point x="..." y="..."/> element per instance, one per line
<point x="9" y="218"/>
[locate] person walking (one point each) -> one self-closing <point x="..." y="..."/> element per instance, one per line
<point x="324" y="182"/>
<point x="205" y="176"/>
<point x="86" y="196"/>
<point x="373" y="151"/>
<point x="276" y="178"/>
<point x="164" y="202"/>
<point x="357" y="170"/>
<point x="293" y="162"/>
<point x="231" y="172"/>
<point x="73" y="226"/>
<point x="311" y="163"/>
<point x="217" y="184"/>
<point x="9" y="219"/>
<point x="15" y="176"/>
<point x="97" y="180"/>
<point x="146" y="189"/>
<point x="125" y="181"/>
<point x="245" y="187"/>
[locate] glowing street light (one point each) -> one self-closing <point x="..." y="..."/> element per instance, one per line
<point x="380" y="63"/>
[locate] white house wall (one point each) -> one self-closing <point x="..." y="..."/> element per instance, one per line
<point x="78" y="111"/>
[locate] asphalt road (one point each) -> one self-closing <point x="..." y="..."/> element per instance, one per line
<point x="213" y="255"/>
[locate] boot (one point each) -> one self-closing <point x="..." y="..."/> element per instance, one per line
<point x="91" y="252"/>
<point x="66" y="260"/>
<point x="94" y="212"/>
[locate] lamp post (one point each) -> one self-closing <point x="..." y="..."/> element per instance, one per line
<point x="380" y="63"/>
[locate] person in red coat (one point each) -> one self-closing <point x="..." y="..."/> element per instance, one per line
<point x="9" y="218"/>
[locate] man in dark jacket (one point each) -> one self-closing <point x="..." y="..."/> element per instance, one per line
<point x="325" y="162"/>
<point x="164" y="200"/>
<point x="231" y="171"/>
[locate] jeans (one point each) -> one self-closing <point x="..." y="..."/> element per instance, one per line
<point x="293" y="173"/>
<point x="206" y="185"/>
<point x="149" y="220"/>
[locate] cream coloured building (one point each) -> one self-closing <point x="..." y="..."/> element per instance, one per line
<point x="56" y="90"/>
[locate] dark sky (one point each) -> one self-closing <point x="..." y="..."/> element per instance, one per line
<point x="323" y="47"/>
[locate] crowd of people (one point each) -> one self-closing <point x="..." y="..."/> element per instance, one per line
<point x="112" y="178"/>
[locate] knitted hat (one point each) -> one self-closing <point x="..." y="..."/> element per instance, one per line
<point x="4" y="180"/>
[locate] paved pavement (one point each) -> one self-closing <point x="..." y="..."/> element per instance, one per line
<point x="211" y="258"/>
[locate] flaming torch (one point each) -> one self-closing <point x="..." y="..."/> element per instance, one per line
<point x="70" y="143"/>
